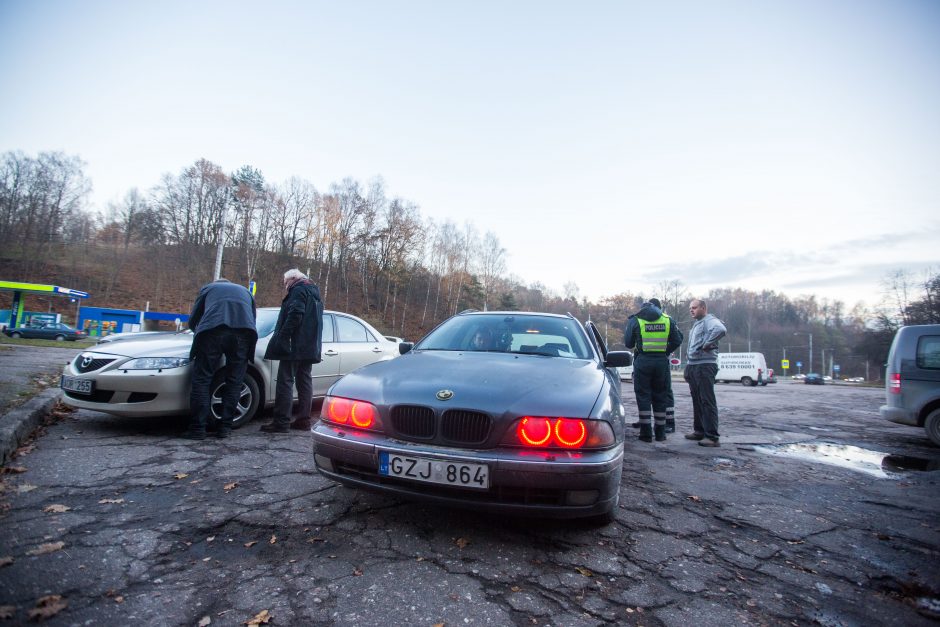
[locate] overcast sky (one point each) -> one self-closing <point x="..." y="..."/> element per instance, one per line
<point x="790" y="145"/>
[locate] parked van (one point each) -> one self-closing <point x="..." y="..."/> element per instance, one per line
<point x="912" y="379"/>
<point x="743" y="368"/>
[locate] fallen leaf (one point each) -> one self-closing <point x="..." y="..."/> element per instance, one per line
<point x="248" y="545"/>
<point x="205" y="621"/>
<point x="47" y="607"/>
<point x="461" y="542"/>
<point x="516" y="589"/>
<point x="56" y="508"/>
<point x="697" y="499"/>
<point x="210" y="538"/>
<point x="119" y="599"/>
<point x="195" y="481"/>
<point x="6" y="561"/>
<point x="49" y="547"/>
<point x="25" y="487"/>
<point x="13" y="469"/>
<point x="584" y="571"/>
<point x="230" y="486"/>
<point x="180" y="475"/>
<point x="105" y="501"/>
<point x="260" y="618"/>
<point x="7" y="612"/>
<point x="357" y="572"/>
<point x="312" y="540"/>
<point x="438" y="625"/>
<point x="630" y="610"/>
<point x="273" y="539"/>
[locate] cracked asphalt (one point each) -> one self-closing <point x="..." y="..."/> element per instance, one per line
<point x="159" y="530"/>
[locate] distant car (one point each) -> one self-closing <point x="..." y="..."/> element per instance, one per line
<point x="912" y="379"/>
<point x="799" y="377"/>
<point x="827" y="378"/>
<point x="814" y="379"/>
<point x="52" y="331"/>
<point x="856" y="379"/>
<point x="513" y="412"/>
<point x="150" y="377"/>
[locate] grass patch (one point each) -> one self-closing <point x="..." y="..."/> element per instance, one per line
<point x="77" y="344"/>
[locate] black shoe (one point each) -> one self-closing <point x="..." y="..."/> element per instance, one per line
<point x="645" y="438"/>
<point x="194" y="434"/>
<point x="694" y="436"/>
<point x="635" y="425"/>
<point x="660" y="434"/>
<point x="670" y="426"/>
<point x="301" y="425"/>
<point x="223" y="433"/>
<point x="273" y="427"/>
<point x="709" y="442"/>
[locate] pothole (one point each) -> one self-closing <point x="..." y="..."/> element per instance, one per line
<point x="875" y="463"/>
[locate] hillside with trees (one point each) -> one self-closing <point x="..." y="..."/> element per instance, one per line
<point x="372" y="255"/>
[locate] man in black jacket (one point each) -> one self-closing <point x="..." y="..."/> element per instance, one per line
<point x="223" y="319"/>
<point x="297" y="343"/>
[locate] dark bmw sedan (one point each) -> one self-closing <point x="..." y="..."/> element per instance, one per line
<point x="503" y="411"/>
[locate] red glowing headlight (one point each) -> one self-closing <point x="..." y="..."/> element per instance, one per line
<point x="353" y="413"/>
<point x="535" y="431"/>
<point x="566" y="433"/>
<point x="570" y="432"/>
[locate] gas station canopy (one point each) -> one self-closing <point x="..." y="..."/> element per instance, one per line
<point x="16" y="310"/>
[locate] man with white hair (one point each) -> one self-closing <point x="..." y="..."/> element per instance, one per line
<point x="297" y="343"/>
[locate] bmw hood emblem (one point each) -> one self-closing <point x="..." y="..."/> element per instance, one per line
<point x="445" y="395"/>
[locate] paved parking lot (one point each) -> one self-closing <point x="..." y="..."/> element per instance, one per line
<point x="797" y="519"/>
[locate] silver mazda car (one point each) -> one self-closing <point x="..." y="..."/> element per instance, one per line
<point x="506" y="411"/>
<point x="150" y="377"/>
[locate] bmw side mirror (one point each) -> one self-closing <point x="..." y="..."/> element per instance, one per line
<point x="619" y="359"/>
<point x="405" y="347"/>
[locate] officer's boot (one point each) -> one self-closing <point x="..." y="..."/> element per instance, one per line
<point x="660" y="428"/>
<point x="670" y="421"/>
<point x="646" y="429"/>
<point x="636" y="425"/>
<point x="660" y="431"/>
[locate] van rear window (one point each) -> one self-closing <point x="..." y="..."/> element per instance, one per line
<point x="928" y="352"/>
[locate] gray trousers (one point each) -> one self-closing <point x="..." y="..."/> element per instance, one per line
<point x="701" y="378"/>
<point x="292" y="372"/>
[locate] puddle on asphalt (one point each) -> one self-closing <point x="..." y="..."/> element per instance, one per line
<point x="873" y="463"/>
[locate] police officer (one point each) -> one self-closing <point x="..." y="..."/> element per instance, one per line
<point x="653" y="336"/>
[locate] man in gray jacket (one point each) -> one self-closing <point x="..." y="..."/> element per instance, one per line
<point x="700" y="371"/>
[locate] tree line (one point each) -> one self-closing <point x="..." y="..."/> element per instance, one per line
<point x="372" y="255"/>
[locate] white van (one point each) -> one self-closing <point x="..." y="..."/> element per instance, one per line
<point x="743" y="368"/>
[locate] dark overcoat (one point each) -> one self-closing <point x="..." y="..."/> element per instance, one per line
<point x="297" y="334"/>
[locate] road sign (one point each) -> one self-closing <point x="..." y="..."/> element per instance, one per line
<point x="674" y="361"/>
<point x="799" y="364"/>
<point x="836" y="368"/>
<point x="785" y="363"/>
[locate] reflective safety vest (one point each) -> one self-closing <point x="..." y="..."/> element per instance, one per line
<point x="655" y="334"/>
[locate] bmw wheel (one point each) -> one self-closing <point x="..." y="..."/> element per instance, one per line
<point x="932" y="425"/>
<point x="248" y="401"/>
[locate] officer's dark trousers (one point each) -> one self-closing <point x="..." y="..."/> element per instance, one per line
<point x="701" y="378"/>
<point x="209" y="347"/>
<point x="649" y="387"/>
<point x="670" y="404"/>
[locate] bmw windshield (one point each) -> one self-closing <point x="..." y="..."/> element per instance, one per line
<point x="510" y="333"/>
